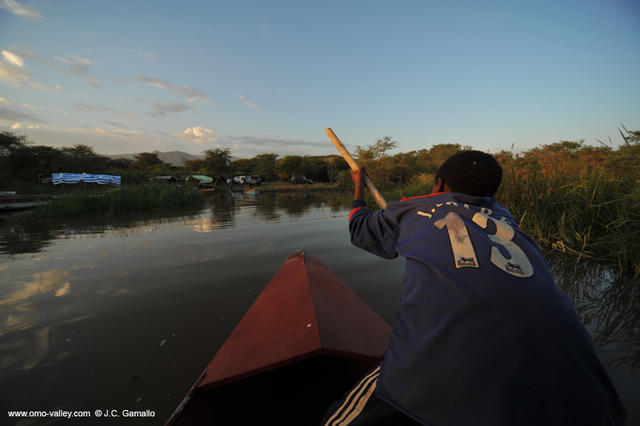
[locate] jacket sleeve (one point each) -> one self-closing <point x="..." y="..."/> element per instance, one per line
<point x="373" y="232"/>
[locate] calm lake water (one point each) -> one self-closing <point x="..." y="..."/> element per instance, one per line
<point x="125" y="314"/>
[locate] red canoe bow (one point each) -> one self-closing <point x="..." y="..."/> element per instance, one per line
<point x="304" y="342"/>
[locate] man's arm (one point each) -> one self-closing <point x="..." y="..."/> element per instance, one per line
<point x="373" y="232"/>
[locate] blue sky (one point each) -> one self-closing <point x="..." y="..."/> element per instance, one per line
<point x="259" y="76"/>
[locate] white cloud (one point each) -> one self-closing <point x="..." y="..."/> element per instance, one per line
<point x="36" y="107"/>
<point x="10" y="114"/>
<point x="115" y="124"/>
<point x="93" y="108"/>
<point x="79" y="66"/>
<point x="84" y="61"/>
<point x="119" y="133"/>
<point x="21" y="126"/>
<point x="12" y="58"/>
<point x="76" y="60"/>
<point x="92" y="81"/>
<point x="189" y="93"/>
<point x="273" y="143"/>
<point x="41" y="86"/>
<point x="197" y="135"/>
<point x="249" y="146"/>
<point x="161" y="109"/>
<point x="143" y="53"/>
<point x="25" y="53"/>
<point x="126" y="133"/>
<point x="244" y="99"/>
<point x="89" y="130"/>
<point x="20" y="10"/>
<point x="13" y="74"/>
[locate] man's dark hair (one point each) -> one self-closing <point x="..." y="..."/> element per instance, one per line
<point x="471" y="172"/>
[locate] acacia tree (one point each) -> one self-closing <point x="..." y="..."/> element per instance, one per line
<point x="289" y="165"/>
<point x="334" y="165"/>
<point x="218" y="161"/>
<point x="404" y="168"/>
<point x="10" y="142"/>
<point x="377" y="151"/>
<point x="80" y="150"/>
<point x="21" y="162"/>
<point x="429" y="161"/>
<point x="243" y="166"/>
<point x="82" y="158"/>
<point x="374" y="157"/>
<point x="265" y="165"/>
<point x="146" y="160"/>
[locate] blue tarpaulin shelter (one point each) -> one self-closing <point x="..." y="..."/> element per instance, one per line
<point x="59" y="178"/>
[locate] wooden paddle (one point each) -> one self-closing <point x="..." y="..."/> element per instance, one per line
<point x="354" y="166"/>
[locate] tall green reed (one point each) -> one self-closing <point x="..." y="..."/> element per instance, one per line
<point x="113" y="201"/>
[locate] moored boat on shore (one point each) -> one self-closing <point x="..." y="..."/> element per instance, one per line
<point x="11" y="202"/>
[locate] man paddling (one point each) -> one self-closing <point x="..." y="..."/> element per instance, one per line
<point x="482" y="335"/>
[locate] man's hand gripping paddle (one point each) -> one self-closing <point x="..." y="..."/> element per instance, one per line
<point x="354" y="166"/>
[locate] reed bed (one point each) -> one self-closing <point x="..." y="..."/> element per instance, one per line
<point x="126" y="199"/>
<point x="579" y="200"/>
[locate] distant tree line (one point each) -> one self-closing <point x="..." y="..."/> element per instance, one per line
<point x="24" y="163"/>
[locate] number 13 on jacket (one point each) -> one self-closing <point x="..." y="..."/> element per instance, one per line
<point x="464" y="255"/>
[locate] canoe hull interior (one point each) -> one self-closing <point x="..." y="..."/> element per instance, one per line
<point x="296" y="394"/>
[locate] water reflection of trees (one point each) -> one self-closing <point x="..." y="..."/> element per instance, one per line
<point x="223" y="209"/>
<point x="608" y="303"/>
<point x="19" y="237"/>
<point x="219" y="214"/>
<point x="266" y="207"/>
<point x="27" y="234"/>
<point x="297" y="204"/>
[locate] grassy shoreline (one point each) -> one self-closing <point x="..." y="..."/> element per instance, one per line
<point x="585" y="203"/>
<point x="301" y="187"/>
<point x="114" y="201"/>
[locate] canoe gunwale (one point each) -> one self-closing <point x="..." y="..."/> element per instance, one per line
<point x="186" y="399"/>
<point x="277" y="365"/>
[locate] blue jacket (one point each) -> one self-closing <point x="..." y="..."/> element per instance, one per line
<point x="482" y="335"/>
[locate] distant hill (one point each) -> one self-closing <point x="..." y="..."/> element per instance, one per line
<point x="175" y="158"/>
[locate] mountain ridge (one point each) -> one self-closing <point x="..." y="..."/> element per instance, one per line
<point x="175" y="158"/>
